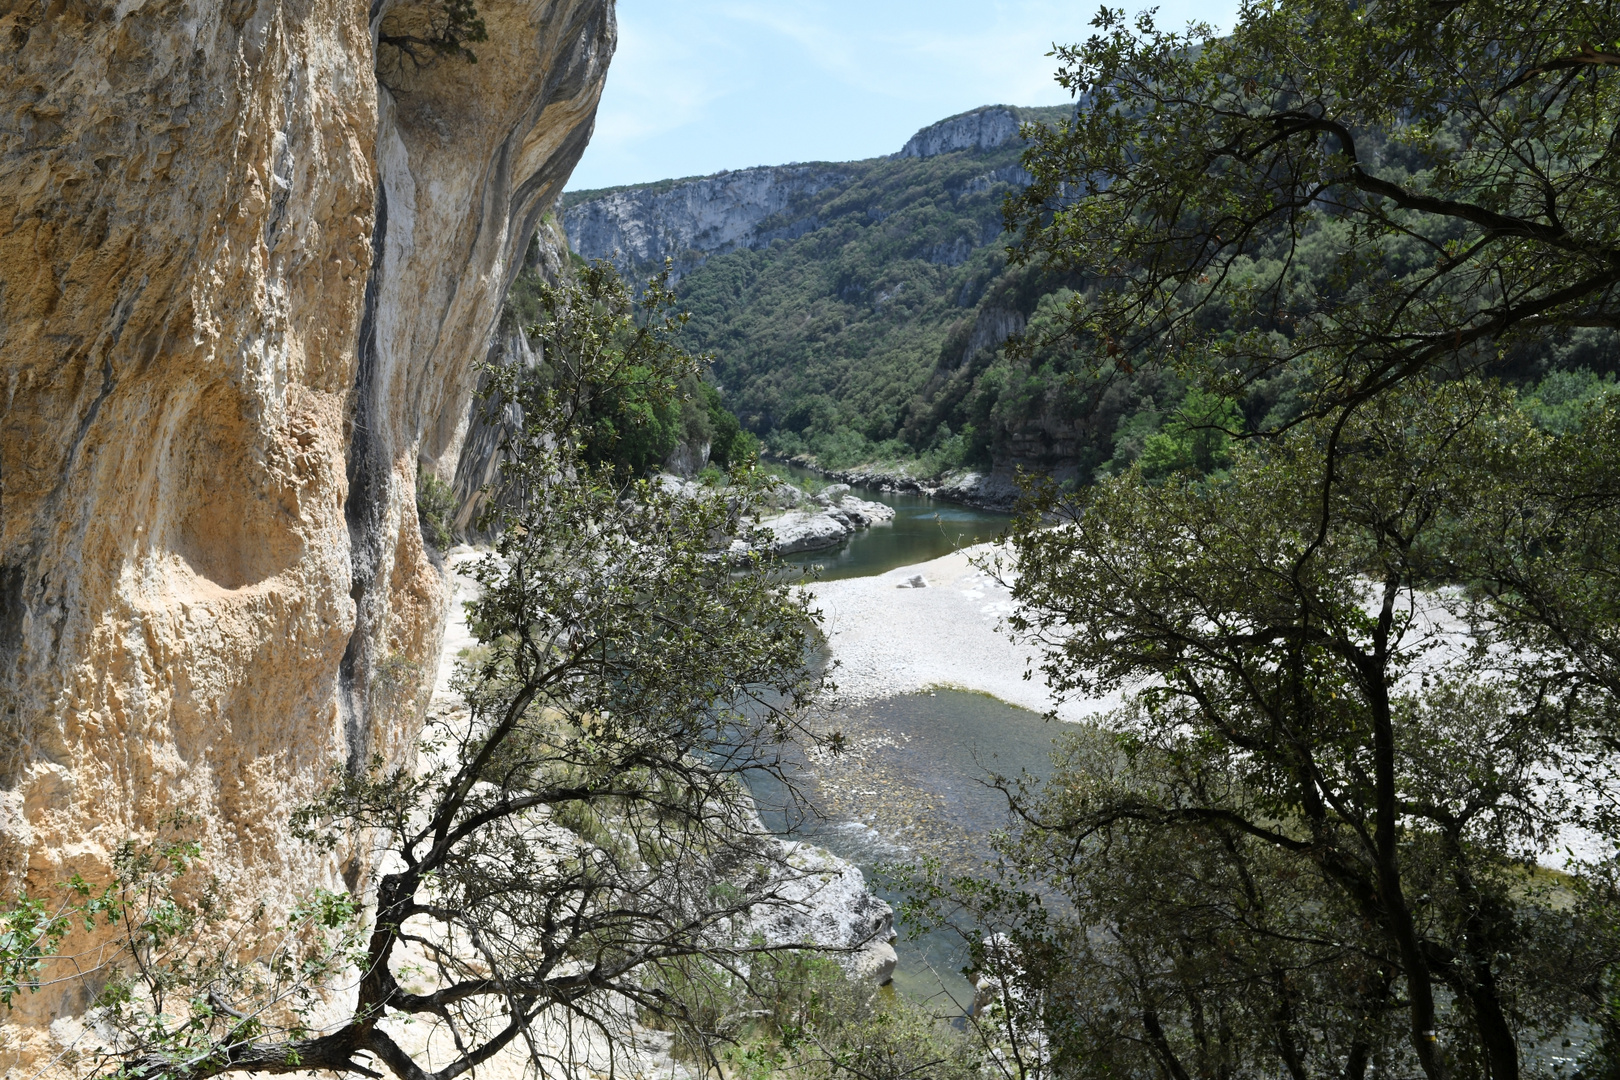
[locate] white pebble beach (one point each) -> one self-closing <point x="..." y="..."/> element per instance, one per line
<point x="889" y="638"/>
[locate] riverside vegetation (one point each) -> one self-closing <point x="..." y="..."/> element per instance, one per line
<point x="878" y="318"/>
<point x="574" y="855"/>
<point x="1371" y="657"/>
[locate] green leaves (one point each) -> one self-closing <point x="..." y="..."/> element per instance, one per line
<point x="1354" y="662"/>
<point x="29" y="934"/>
<point x="613" y="381"/>
<point x="1352" y="194"/>
<point x="435" y="510"/>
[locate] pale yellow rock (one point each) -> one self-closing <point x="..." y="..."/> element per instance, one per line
<point x="243" y="291"/>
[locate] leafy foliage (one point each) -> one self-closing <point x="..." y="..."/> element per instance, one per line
<point x="631" y="421"/>
<point x="435" y="507"/>
<point x="809" y="1021"/>
<point x="565" y="855"/>
<point x="1333" y="193"/>
<point x="1369" y="658"/>
<point x="1308" y="842"/>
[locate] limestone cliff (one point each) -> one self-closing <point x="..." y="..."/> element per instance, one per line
<point x="689" y="220"/>
<point x="244" y="284"/>
<point x="987" y="128"/>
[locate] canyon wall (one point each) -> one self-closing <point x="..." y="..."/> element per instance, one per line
<point x="689" y="220"/>
<point x="245" y="282"/>
<point x="989" y="127"/>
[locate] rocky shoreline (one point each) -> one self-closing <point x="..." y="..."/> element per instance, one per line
<point x="995" y="489"/>
<point x="801" y="521"/>
<point x="823" y="520"/>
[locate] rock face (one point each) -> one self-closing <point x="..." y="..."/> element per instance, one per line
<point x="823" y="521"/>
<point x="244" y="282"/>
<point x="478" y="468"/>
<point x="690" y="220"/>
<point x="985" y="128"/>
<point x="693" y="219"/>
<point x="827" y="903"/>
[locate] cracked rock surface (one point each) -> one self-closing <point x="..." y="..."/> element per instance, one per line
<point x="244" y="284"/>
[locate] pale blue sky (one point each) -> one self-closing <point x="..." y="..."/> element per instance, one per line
<point x="703" y="85"/>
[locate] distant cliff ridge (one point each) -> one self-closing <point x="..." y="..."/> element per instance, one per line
<point x="690" y="220"/>
<point x="987" y="128"/>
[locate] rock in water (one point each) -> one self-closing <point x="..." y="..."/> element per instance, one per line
<point x="826" y="903"/>
<point x="797" y="531"/>
<point x="244" y="283"/>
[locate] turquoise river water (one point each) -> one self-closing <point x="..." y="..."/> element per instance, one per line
<point x="922" y="529"/>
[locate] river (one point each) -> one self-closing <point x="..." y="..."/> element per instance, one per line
<point x="914" y="781"/>
<point x="922" y="529"/>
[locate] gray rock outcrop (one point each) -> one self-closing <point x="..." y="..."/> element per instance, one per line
<point x="991" y="328"/>
<point x="824" y="902"/>
<point x="690" y="220"/>
<point x="827" y="522"/>
<point x="986" y="128"/>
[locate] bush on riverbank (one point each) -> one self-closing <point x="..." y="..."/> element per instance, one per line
<point x="796" y="1014"/>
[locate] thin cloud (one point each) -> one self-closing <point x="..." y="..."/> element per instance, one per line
<point x="705" y="85"/>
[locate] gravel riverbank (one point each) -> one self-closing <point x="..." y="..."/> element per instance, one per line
<point x="890" y="637"/>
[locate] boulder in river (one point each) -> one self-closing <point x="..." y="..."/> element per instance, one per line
<point x="803" y="530"/>
<point x="826" y="903"/>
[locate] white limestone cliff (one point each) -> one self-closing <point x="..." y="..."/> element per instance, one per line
<point x="988" y="128"/>
<point x="689" y="220"/>
<point x="693" y="219"/>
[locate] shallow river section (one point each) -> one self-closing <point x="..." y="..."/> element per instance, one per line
<point x="915" y="781"/>
<point x="922" y="529"/>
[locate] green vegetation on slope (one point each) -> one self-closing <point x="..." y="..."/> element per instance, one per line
<point x="823" y="343"/>
<point x="874" y="337"/>
<point x="637" y="425"/>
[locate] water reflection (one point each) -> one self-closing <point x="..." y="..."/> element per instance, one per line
<point x="914" y="782"/>
<point x="922" y="529"/>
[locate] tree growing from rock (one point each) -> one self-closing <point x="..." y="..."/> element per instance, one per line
<point x="574" y="852"/>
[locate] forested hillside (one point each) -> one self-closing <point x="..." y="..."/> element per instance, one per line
<point x="834" y="295"/>
<point x="857" y="313"/>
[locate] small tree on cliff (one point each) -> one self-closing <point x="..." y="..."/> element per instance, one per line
<point x="574" y="852"/>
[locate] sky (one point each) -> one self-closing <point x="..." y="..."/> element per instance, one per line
<point x="698" y="86"/>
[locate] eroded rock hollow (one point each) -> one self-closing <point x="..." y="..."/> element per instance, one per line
<point x="249" y="260"/>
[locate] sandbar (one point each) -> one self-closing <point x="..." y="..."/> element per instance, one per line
<point x="888" y="638"/>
